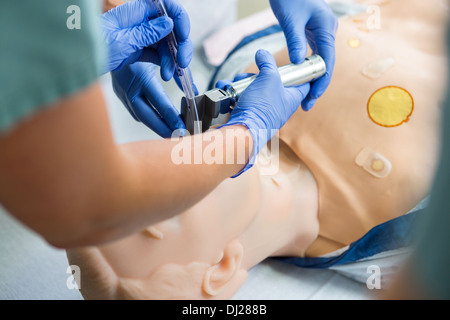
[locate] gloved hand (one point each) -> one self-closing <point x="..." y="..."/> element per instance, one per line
<point x="138" y="87"/>
<point x="131" y="27"/>
<point x="266" y="105"/>
<point x="309" y="22"/>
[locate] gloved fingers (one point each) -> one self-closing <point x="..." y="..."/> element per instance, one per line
<point x="168" y="66"/>
<point x="129" y="14"/>
<point x="121" y="87"/>
<point x="266" y="64"/>
<point x="161" y="102"/>
<point x="319" y="86"/>
<point x="130" y="110"/>
<point x="241" y="76"/>
<point x="178" y="82"/>
<point x="298" y="94"/>
<point x="180" y="18"/>
<point x="328" y="53"/>
<point x="223" y="84"/>
<point x="182" y="28"/>
<point x="148" y="32"/>
<point x="150" y="55"/>
<point x="308" y="103"/>
<point x="297" y="44"/>
<point x="132" y="58"/>
<point x="322" y="41"/>
<point x="293" y="17"/>
<point x="149" y="117"/>
<point x="167" y="63"/>
<point x="185" y="53"/>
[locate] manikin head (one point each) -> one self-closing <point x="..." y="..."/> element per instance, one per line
<point x="205" y="252"/>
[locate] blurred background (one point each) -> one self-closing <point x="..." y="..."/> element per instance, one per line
<point x="248" y="7"/>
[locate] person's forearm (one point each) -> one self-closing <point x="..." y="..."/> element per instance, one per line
<point x="63" y="176"/>
<point x="164" y="178"/>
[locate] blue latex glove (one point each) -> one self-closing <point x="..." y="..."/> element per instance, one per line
<point x="309" y="22"/>
<point x="133" y="26"/>
<point x="138" y="87"/>
<point x="266" y="105"/>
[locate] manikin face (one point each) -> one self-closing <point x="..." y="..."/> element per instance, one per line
<point x="205" y="253"/>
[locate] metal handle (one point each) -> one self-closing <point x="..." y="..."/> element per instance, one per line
<point x="291" y="75"/>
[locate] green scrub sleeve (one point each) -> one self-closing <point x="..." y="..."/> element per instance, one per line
<point x="431" y="260"/>
<point x="49" y="49"/>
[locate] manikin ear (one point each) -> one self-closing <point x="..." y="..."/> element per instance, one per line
<point x="227" y="273"/>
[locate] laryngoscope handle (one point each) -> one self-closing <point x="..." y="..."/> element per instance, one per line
<point x="291" y="75"/>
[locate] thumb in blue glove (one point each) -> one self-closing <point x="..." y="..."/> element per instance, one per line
<point x="266" y="105"/>
<point x="309" y="22"/>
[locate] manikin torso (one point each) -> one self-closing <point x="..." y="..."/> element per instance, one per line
<point x="330" y="137"/>
<point x="320" y="200"/>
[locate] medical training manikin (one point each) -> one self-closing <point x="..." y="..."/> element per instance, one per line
<point x="363" y="156"/>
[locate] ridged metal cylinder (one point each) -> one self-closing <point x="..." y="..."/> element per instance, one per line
<point x="291" y="75"/>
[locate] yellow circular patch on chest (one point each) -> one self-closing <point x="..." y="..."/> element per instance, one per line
<point x="390" y="106"/>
